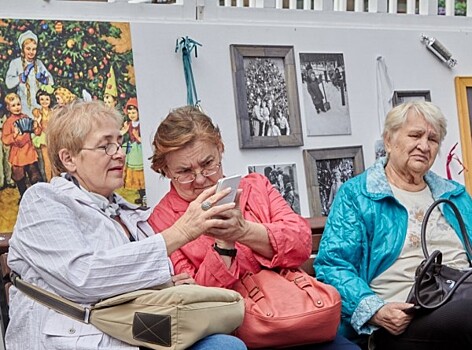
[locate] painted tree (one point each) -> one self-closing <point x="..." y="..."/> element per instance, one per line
<point x="79" y="54"/>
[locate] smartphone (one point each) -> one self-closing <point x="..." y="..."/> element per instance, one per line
<point x="225" y="182"/>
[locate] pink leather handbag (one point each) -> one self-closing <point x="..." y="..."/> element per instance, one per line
<point x="287" y="308"/>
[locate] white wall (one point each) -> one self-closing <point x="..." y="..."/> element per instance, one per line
<point x="361" y="37"/>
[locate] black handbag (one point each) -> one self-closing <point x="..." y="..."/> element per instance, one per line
<point x="436" y="284"/>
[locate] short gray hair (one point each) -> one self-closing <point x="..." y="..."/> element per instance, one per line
<point x="433" y="115"/>
<point x="70" y="124"/>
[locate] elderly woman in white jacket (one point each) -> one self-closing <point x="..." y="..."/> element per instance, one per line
<point x="79" y="239"/>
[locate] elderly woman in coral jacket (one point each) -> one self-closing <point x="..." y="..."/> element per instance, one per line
<point x="262" y="231"/>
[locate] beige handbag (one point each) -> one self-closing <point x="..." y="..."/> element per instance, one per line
<point x="173" y="318"/>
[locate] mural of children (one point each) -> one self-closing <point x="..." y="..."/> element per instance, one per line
<point x="41" y="119"/>
<point x="23" y="157"/>
<point x="27" y="73"/>
<point x="5" y="168"/>
<point x="64" y="96"/>
<point x="134" y="167"/>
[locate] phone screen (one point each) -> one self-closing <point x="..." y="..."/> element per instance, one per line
<point x="225" y="182"/>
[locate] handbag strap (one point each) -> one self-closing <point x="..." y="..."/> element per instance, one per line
<point x="460" y="220"/>
<point x="302" y="281"/>
<point x="50" y="300"/>
<point x="255" y="293"/>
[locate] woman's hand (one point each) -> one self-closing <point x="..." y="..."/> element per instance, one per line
<point x="196" y="221"/>
<point x="232" y="226"/>
<point x="182" y="278"/>
<point x="392" y="317"/>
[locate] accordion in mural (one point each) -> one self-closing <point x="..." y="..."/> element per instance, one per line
<point x="25" y="125"/>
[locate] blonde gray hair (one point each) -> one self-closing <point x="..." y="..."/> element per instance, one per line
<point x="433" y="115"/>
<point x="70" y="124"/>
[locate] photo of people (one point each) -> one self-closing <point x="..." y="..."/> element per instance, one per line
<point x="267" y="101"/>
<point x="284" y="178"/>
<point x="331" y="174"/>
<point x="55" y="62"/>
<point x="325" y="94"/>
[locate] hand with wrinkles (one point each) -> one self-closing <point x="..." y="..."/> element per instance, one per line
<point x="392" y="317"/>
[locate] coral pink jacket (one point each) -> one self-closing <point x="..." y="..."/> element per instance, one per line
<point x="289" y="235"/>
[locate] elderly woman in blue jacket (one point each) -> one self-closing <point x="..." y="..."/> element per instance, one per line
<point x="371" y="245"/>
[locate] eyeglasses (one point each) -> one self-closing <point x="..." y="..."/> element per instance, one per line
<point x="190" y="176"/>
<point x="110" y="148"/>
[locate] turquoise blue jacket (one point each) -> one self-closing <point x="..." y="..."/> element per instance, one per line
<point x="364" y="234"/>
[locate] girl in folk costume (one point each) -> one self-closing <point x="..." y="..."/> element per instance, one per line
<point x="16" y="134"/>
<point x="27" y="73"/>
<point x="41" y="119"/>
<point x="134" y="167"/>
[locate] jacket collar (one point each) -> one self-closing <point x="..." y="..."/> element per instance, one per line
<point x="378" y="187"/>
<point x="70" y="189"/>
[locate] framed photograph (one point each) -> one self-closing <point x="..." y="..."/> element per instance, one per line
<point x="326" y="170"/>
<point x="404" y="96"/>
<point x="266" y="96"/>
<point x="325" y="94"/>
<point x="284" y="178"/>
<point x="464" y="109"/>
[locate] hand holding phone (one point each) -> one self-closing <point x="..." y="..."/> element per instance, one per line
<point x="225" y="182"/>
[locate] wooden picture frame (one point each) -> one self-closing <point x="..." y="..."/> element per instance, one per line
<point x="323" y="167"/>
<point x="464" y="110"/>
<point x="266" y="75"/>
<point x="407" y="95"/>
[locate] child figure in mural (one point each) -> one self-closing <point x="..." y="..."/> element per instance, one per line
<point x="27" y="73"/>
<point x="134" y="167"/>
<point x="64" y="96"/>
<point x="110" y="97"/>
<point x="5" y="168"/>
<point x="17" y="134"/>
<point x="41" y="119"/>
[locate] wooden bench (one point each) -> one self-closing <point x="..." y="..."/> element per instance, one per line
<point x="317" y="224"/>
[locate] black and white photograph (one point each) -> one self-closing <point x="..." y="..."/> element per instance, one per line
<point x="284" y="178"/>
<point x="266" y="96"/>
<point x="267" y="100"/>
<point x="325" y="94"/>
<point x="379" y="149"/>
<point x="326" y="170"/>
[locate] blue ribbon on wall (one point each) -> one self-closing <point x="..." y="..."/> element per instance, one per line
<point x="187" y="45"/>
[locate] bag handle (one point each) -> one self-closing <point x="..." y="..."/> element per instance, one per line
<point x="295" y="276"/>
<point x="460" y="220"/>
<point x="50" y="300"/>
<point x="436" y="257"/>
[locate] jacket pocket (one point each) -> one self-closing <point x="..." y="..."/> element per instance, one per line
<point x="62" y="332"/>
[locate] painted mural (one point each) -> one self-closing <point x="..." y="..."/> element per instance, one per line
<point x="53" y="62"/>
